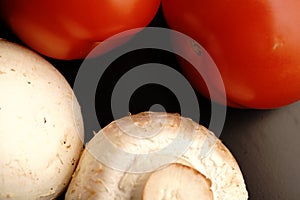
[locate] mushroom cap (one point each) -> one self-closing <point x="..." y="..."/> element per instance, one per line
<point x="41" y="127"/>
<point x="121" y="160"/>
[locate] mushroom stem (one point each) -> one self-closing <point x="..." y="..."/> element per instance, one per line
<point x="177" y="182"/>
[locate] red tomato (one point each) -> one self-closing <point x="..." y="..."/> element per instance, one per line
<point x="254" y="43"/>
<point x="69" y="29"/>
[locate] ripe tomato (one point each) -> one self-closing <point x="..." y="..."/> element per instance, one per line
<point x="69" y="29"/>
<point x="254" y="43"/>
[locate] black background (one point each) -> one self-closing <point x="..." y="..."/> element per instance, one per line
<point x="265" y="143"/>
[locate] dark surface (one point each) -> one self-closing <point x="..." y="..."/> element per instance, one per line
<point x="265" y="143"/>
<point x="266" y="146"/>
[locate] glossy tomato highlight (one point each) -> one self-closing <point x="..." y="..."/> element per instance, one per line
<point x="254" y="43"/>
<point x="69" y="29"/>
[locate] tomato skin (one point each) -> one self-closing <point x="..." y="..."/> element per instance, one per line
<point x="254" y="43"/>
<point x="69" y="29"/>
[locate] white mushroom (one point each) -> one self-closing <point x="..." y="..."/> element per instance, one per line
<point x="156" y="156"/>
<point x="41" y="126"/>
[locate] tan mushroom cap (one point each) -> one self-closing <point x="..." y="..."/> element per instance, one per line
<point x="202" y="168"/>
<point x="41" y="126"/>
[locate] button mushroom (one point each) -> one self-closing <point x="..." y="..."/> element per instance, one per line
<point x="41" y="126"/>
<point x="155" y="155"/>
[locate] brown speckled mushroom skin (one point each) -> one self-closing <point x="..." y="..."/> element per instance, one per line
<point x="94" y="180"/>
<point x="41" y="126"/>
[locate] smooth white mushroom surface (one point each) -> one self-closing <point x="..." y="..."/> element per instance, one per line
<point x="41" y="127"/>
<point x="156" y="156"/>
